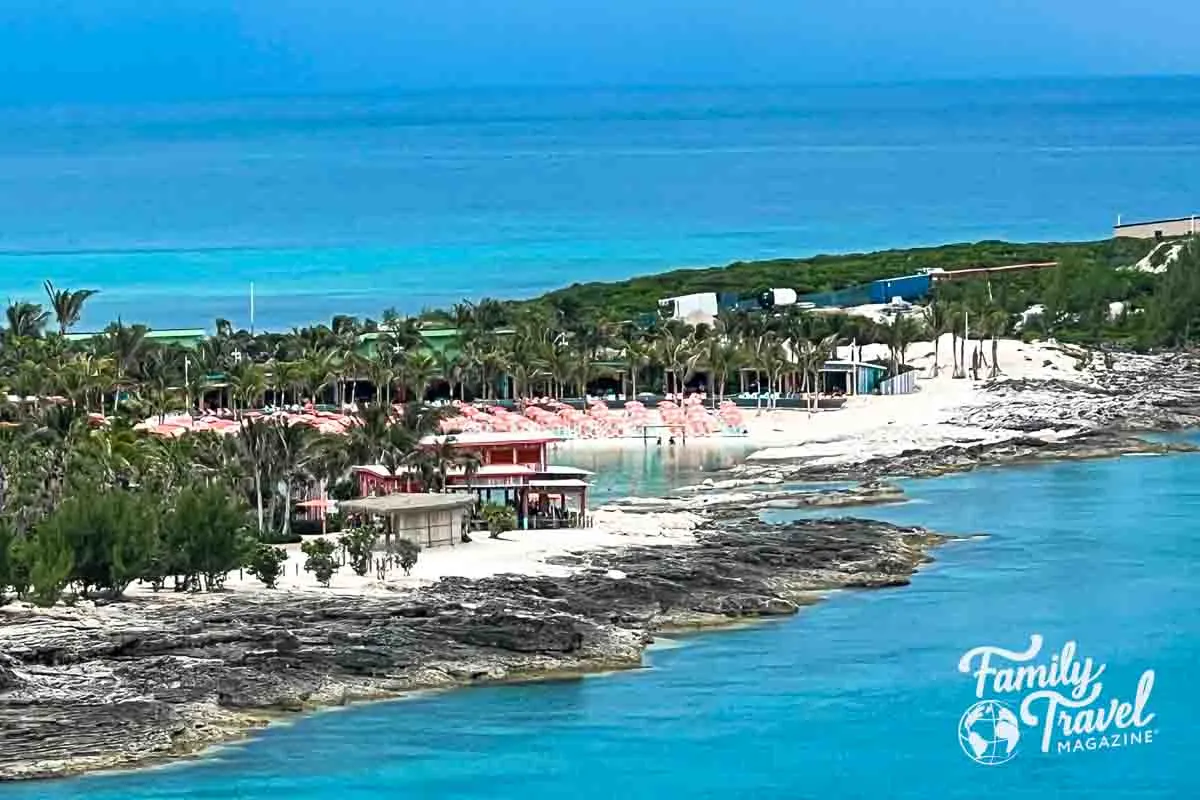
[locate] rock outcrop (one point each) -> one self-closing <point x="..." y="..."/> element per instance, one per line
<point x="97" y="687"/>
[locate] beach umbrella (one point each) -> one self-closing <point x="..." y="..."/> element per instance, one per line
<point x="324" y="504"/>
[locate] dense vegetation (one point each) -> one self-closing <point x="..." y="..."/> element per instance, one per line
<point x="626" y="299"/>
<point x="89" y="504"/>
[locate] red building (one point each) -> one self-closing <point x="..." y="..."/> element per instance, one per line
<point x="513" y="470"/>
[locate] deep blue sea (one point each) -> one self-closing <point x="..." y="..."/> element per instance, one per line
<point x="351" y="205"/>
<point x="858" y="697"/>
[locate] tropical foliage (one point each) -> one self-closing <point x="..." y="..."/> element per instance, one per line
<point x="89" y="504"/>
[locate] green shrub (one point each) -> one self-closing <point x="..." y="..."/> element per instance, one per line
<point x="320" y="561"/>
<point x="499" y="519"/>
<point x="266" y="564"/>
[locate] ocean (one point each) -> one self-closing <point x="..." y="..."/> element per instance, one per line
<point x="351" y="205"/>
<point x="857" y="697"/>
<point x="355" y="204"/>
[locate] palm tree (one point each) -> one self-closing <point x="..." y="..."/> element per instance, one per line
<point x="959" y="332"/>
<point x="254" y="449"/>
<point x="433" y="463"/>
<point x="810" y="358"/>
<point x="126" y="344"/>
<point x="417" y="370"/>
<point x="297" y="448"/>
<point x="937" y="320"/>
<point x="67" y="305"/>
<point x="899" y="333"/>
<point x="247" y="383"/>
<point x="679" y="353"/>
<point x="720" y="356"/>
<point x="450" y="368"/>
<point x="635" y="353"/>
<point x="996" y="324"/>
<point x="26" y="320"/>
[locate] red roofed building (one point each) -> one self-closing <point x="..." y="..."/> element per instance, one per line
<point x="513" y="470"/>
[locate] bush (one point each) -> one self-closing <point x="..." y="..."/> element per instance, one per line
<point x="499" y="519"/>
<point x="266" y="564"/>
<point x="320" y="561"/>
<point x="407" y="552"/>
<point x="312" y="527"/>
<point x="206" y="535"/>
<point x="275" y="537"/>
<point x="112" y="537"/>
<point x="359" y="544"/>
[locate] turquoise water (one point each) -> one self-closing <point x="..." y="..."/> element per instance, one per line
<point x="858" y="697"/>
<point x="651" y="470"/>
<point x="350" y="205"/>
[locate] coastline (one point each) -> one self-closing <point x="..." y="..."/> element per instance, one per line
<point x="1104" y="411"/>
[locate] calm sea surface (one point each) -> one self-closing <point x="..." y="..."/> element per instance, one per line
<point x="349" y="205"/>
<point x="859" y="697"/>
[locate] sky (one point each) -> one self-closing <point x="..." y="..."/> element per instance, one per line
<point x="83" y="50"/>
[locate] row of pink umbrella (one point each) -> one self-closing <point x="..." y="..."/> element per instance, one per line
<point x="690" y="417"/>
<point x="178" y="424"/>
<point x="547" y="415"/>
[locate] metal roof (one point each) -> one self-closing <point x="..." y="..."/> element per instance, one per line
<point x="406" y="502"/>
<point x="557" y="469"/>
<point x="484" y="438"/>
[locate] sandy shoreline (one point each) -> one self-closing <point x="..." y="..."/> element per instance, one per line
<point x="865" y="427"/>
<point x="1041" y="394"/>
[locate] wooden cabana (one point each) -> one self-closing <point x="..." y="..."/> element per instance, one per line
<point x="430" y="520"/>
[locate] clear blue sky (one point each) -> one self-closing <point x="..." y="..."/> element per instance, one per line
<point x="53" y="50"/>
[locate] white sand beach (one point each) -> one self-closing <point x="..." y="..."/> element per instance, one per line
<point x="936" y="415"/>
<point x="517" y="552"/>
<point x="944" y="410"/>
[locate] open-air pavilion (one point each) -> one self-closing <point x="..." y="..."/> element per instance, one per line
<point x="851" y="377"/>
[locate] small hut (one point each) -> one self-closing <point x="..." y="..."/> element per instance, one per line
<point x="430" y="520"/>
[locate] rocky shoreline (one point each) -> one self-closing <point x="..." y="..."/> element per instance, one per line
<point x="130" y="683"/>
<point x="953" y="458"/>
<point x="127" y="684"/>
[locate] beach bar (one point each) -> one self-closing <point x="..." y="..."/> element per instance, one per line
<point x="429" y="520"/>
<point x="512" y="471"/>
<point x="852" y="377"/>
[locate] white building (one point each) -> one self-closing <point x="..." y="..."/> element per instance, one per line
<point x="1158" y="229"/>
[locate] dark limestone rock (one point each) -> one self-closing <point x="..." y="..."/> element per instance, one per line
<point x="97" y="687"/>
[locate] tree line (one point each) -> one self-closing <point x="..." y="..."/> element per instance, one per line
<point x="89" y="508"/>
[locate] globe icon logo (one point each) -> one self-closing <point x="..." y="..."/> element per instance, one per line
<point x="989" y="732"/>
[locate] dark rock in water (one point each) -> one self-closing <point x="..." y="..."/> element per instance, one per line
<point x="100" y="687"/>
<point x="960" y="458"/>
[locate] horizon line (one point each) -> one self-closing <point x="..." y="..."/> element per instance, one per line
<point x="395" y="90"/>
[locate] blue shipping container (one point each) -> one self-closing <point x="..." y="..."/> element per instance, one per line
<point x="910" y="287"/>
<point x="852" y="296"/>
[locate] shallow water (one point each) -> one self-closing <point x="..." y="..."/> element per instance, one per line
<point x="650" y="470"/>
<point x="858" y="697"/>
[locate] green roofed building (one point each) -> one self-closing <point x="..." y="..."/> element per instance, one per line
<point x="437" y="340"/>
<point x="184" y="337"/>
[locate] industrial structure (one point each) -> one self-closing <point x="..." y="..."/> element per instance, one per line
<point x="1157" y="228"/>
